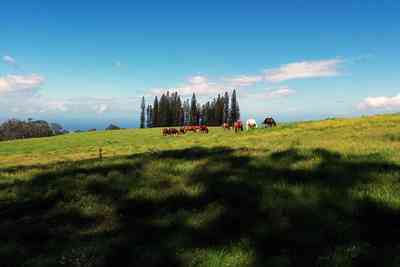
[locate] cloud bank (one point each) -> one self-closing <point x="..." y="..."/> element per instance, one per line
<point x="13" y="87"/>
<point x="281" y="92"/>
<point x="16" y="105"/>
<point x="200" y="85"/>
<point x="244" y="80"/>
<point x="15" y="83"/>
<point x="304" y="70"/>
<point x="380" y="102"/>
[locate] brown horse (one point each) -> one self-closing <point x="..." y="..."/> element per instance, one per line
<point x="238" y="126"/>
<point x="165" y="131"/>
<point x="174" y="131"/>
<point x="226" y="126"/>
<point x="191" y="128"/>
<point x="203" y="129"/>
<point x="169" y="131"/>
<point x="269" y="122"/>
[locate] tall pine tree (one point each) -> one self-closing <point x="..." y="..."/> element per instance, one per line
<point x="234" y="111"/>
<point x="219" y="109"/>
<point x="142" y="114"/>
<point x="193" y="110"/>
<point x="178" y="111"/>
<point x="156" y="115"/>
<point x="169" y="107"/>
<point x="198" y="115"/>
<point x="237" y="108"/>
<point x="149" y="117"/>
<point x="186" y="111"/>
<point x="226" y="107"/>
<point x="163" y="111"/>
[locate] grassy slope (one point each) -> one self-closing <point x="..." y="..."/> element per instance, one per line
<point x="318" y="193"/>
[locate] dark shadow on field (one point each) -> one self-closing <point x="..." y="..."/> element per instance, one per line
<point x="287" y="216"/>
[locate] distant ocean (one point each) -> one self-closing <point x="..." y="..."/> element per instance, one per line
<point x="85" y="123"/>
<point x="100" y="123"/>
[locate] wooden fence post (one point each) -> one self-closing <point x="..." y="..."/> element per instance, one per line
<point x="100" y="153"/>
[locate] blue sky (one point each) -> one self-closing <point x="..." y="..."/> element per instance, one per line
<point x="87" y="63"/>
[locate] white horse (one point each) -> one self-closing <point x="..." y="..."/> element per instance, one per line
<point x="251" y="124"/>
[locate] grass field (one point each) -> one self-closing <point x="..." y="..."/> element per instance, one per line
<point x="321" y="193"/>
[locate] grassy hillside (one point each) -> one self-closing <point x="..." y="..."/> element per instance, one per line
<point x="309" y="194"/>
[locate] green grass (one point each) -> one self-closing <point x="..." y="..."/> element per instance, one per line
<point x="321" y="193"/>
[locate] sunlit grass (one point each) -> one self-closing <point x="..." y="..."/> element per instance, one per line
<point x="308" y="194"/>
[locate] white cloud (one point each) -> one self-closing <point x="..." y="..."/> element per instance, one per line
<point x="200" y="85"/>
<point x="55" y="105"/>
<point x="9" y="60"/>
<point x="19" y="96"/>
<point x="272" y="94"/>
<point x="298" y="70"/>
<point x="101" y="108"/>
<point x="31" y="104"/>
<point x="12" y="105"/>
<point x="244" y="80"/>
<point x="198" y="80"/>
<point x="380" y="102"/>
<point x="303" y="70"/>
<point x="268" y="102"/>
<point x="14" y="83"/>
<point x="281" y="92"/>
<point x="14" y="110"/>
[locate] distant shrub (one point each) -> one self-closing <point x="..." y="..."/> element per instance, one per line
<point x="112" y="127"/>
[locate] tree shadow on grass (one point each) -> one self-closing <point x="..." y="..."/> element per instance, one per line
<point x="272" y="206"/>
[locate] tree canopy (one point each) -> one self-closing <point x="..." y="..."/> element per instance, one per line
<point x="170" y="110"/>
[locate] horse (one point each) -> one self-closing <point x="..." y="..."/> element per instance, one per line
<point x="191" y="128"/>
<point x="238" y="126"/>
<point x="173" y="131"/>
<point x="165" y="131"/>
<point x="226" y="126"/>
<point x="269" y="122"/>
<point x="203" y="129"/>
<point x="251" y="123"/>
<point x="169" y="131"/>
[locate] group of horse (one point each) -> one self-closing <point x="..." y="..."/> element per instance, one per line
<point x="237" y="126"/>
<point x="250" y="124"/>
<point x="185" y="129"/>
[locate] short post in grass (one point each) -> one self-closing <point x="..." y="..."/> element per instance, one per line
<point x="100" y="153"/>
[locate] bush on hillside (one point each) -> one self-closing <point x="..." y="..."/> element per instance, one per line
<point x="112" y="127"/>
<point x="17" y="129"/>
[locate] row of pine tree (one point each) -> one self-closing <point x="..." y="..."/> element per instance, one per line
<point x="170" y="110"/>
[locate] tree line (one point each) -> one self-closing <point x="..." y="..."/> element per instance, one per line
<point x="171" y="110"/>
<point x="18" y="129"/>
